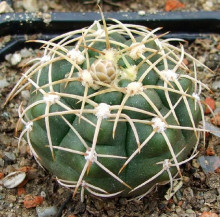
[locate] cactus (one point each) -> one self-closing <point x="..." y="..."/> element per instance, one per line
<point x="113" y="109"/>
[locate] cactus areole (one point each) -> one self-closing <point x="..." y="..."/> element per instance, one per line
<point x="113" y="110"/>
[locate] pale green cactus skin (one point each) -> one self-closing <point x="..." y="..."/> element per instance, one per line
<point x="113" y="110"/>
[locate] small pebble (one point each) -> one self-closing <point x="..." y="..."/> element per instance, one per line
<point x="11" y="198"/>
<point x="218" y="189"/>
<point x="173" y="5"/>
<point x="141" y="13"/>
<point x="5" y="7"/>
<point x="80" y="208"/>
<point x="134" y="5"/>
<point x="31" y="201"/>
<point x="2" y="175"/>
<point x="2" y="162"/>
<point x="210" y="104"/>
<point x="46" y="211"/>
<point x="111" y="212"/>
<point x="14" y="59"/>
<point x="188" y="193"/>
<point x="5" y="114"/>
<point x="213" y="180"/>
<point x="30" y="5"/>
<point x="209" y="163"/>
<point x="205" y="209"/>
<point x="24" y="162"/>
<point x="209" y="214"/>
<point x="195" y="163"/>
<point x="174" y="215"/>
<point x="25" y="53"/>
<point x="208" y="5"/>
<point x="210" y="197"/>
<point x="47" y="18"/>
<point x="60" y="191"/>
<point x="202" y="176"/>
<point x="179" y="195"/>
<point x="123" y="201"/>
<point x="98" y="204"/>
<point x="3" y="83"/>
<point x="25" y="94"/>
<point x="33" y="174"/>
<point x="13" y="179"/>
<point x="190" y="211"/>
<point x="43" y="194"/>
<point x="216" y="85"/>
<point x="185" y="179"/>
<point x="10" y="155"/>
<point x="178" y="209"/>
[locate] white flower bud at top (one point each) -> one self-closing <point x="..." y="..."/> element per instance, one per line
<point x="158" y="124"/>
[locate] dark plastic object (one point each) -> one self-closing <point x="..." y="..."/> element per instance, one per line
<point x="186" y="25"/>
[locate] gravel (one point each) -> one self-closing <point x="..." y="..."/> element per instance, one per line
<point x="110" y="5"/>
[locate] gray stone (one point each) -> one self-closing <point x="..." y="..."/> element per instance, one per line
<point x="10" y="155"/>
<point x="46" y="211"/>
<point x="216" y="85"/>
<point x="3" y="83"/>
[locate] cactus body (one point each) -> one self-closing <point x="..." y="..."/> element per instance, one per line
<point x="113" y="110"/>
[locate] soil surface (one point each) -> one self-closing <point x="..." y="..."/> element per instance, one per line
<point x="200" y="192"/>
<point x="113" y="5"/>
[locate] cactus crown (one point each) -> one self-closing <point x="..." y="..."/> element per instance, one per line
<point x="113" y="109"/>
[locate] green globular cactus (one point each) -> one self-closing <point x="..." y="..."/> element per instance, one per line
<point x="113" y="109"/>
